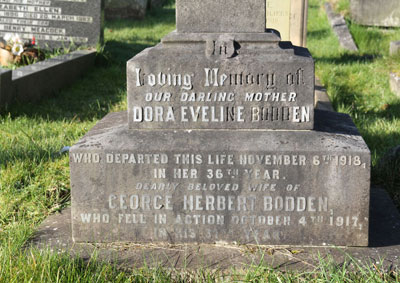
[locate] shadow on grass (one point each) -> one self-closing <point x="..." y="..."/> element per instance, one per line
<point x="319" y="34"/>
<point x="349" y="58"/>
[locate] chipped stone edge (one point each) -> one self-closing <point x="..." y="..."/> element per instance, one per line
<point x="340" y="28"/>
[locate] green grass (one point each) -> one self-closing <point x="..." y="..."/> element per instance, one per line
<point x="358" y="84"/>
<point x="34" y="175"/>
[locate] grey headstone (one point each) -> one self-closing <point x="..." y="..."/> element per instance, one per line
<point x="157" y="3"/>
<point x="174" y="169"/>
<point x="220" y="16"/>
<point x="394" y="47"/>
<point x="339" y="26"/>
<point x="394" y="81"/>
<point x="384" y="13"/>
<point x="53" y="23"/>
<point x="125" y="9"/>
<point x="260" y="187"/>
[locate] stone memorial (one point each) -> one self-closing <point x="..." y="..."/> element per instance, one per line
<point x="53" y="23"/>
<point x="289" y="17"/>
<point x="221" y="144"/>
<point x="385" y="13"/>
<point x="125" y="9"/>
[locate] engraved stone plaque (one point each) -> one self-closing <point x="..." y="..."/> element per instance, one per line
<point x="215" y="86"/>
<point x="53" y="23"/>
<point x="259" y="187"/>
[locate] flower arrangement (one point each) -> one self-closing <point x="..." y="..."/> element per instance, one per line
<point x="15" y="51"/>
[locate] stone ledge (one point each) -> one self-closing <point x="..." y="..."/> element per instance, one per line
<point x="54" y="234"/>
<point x="340" y="28"/>
<point x="322" y="101"/>
<point x="33" y="82"/>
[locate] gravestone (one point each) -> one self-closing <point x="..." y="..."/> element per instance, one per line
<point x="394" y="47"/>
<point x="221" y="143"/>
<point x="385" y="13"/>
<point x="53" y="23"/>
<point x="125" y="9"/>
<point x="289" y="17"/>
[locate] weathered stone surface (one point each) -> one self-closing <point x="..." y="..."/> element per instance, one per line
<point x="33" y="82"/>
<point x="278" y="17"/>
<point x="395" y="83"/>
<point x="125" y="9"/>
<point x="229" y="81"/>
<point x="394" y="47"/>
<point x="376" y="13"/>
<point x="289" y="17"/>
<point x="53" y="23"/>
<point x="55" y="234"/>
<point x="260" y="187"/>
<point x="220" y="16"/>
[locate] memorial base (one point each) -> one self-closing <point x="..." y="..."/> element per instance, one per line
<point x="308" y="188"/>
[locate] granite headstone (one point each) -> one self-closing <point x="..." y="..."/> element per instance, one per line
<point x="221" y="144"/>
<point x="385" y="13"/>
<point x="125" y="9"/>
<point x="53" y="23"/>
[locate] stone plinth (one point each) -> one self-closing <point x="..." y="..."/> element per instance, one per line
<point x="260" y="187"/>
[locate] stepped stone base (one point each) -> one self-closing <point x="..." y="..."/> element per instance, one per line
<point x="54" y="234"/>
<point x="219" y="186"/>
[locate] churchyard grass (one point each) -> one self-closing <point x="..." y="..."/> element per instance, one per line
<point x="34" y="173"/>
<point x="358" y="84"/>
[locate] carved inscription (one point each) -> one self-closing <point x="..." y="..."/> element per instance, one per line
<point x="260" y="102"/>
<point x="46" y="20"/>
<point x="215" y="195"/>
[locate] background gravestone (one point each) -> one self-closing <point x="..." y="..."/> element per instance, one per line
<point x="156" y="3"/>
<point x="221" y="143"/>
<point x="384" y="13"/>
<point x="53" y="23"/>
<point x="289" y="17"/>
<point x="125" y="9"/>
